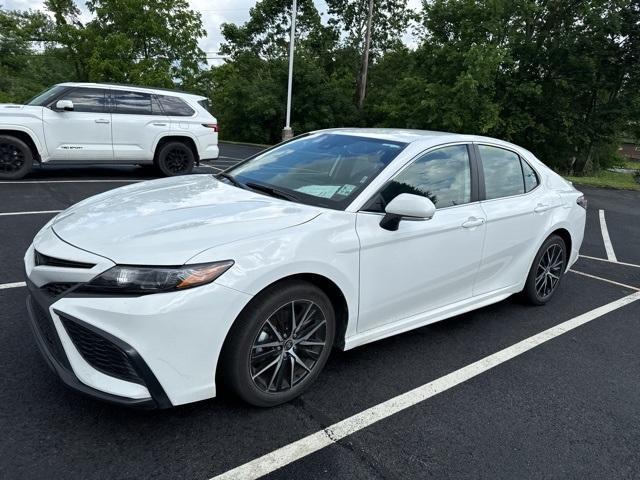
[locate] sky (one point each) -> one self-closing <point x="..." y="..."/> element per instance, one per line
<point x="214" y="13"/>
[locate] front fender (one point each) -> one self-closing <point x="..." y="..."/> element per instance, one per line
<point x="327" y="246"/>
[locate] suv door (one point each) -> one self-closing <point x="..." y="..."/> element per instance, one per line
<point x="138" y="122"/>
<point x="517" y="210"/>
<point x="83" y="133"/>
<point x="425" y="264"/>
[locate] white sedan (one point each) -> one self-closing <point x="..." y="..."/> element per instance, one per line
<point x="155" y="293"/>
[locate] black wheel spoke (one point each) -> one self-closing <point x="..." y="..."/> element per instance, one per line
<point x="11" y="158"/>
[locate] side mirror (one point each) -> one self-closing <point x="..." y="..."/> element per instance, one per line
<point x="409" y="206"/>
<point x="66" y="105"/>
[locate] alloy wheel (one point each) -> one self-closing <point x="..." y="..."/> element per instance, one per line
<point x="177" y="160"/>
<point x="549" y="270"/>
<point x="11" y="158"/>
<point x="288" y="346"/>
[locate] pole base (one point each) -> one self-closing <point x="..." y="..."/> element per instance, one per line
<point x="287" y="133"/>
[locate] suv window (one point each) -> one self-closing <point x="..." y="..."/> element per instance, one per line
<point x="175" y="107"/>
<point x="443" y="176"/>
<point x="135" y="103"/>
<point x="502" y="172"/>
<point x="93" y="100"/>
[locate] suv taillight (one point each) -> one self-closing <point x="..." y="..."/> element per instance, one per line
<point x="582" y="201"/>
<point x="212" y="126"/>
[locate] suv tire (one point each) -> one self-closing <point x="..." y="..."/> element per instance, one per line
<point x="175" y="158"/>
<point x="16" y="158"/>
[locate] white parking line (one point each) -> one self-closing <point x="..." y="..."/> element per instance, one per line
<point x="12" y="285"/>
<point x="607" y="240"/>
<point x="610" y="261"/>
<point x="231" y="158"/>
<point x="330" y="435"/>
<point x="6" y="214"/>
<point x="604" y="280"/>
<point x="71" y="181"/>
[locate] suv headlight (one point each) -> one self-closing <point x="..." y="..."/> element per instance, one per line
<point x="133" y="279"/>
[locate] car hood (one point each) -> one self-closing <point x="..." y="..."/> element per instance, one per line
<point x="168" y="221"/>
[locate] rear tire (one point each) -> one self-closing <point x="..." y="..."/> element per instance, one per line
<point x="296" y="355"/>
<point x="546" y="271"/>
<point x="175" y="158"/>
<point x="16" y="158"/>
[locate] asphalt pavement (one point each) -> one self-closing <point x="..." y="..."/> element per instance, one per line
<point x="567" y="408"/>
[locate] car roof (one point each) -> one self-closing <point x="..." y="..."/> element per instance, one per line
<point x="425" y="137"/>
<point x="137" y="88"/>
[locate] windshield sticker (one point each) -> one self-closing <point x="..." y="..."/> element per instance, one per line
<point x="346" y="190"/>
<point x="323" y="191"/>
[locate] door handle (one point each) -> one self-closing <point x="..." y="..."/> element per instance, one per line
<point x="542" y="207"/>
<point x="159" y="124"/>
<point x="473" y="222"/>
<point x="102" y="120"/>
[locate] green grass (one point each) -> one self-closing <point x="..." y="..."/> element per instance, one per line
<point x="630" y="164"/>
<point x="606" y="179"/>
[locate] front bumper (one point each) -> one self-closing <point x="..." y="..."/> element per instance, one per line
<point x="151" y="351"/>
<point x="50" y="346"/>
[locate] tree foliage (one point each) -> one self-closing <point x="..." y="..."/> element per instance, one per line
<point x="560" y="77"/>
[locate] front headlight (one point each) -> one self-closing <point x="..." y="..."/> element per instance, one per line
<point x="141" y="280"/>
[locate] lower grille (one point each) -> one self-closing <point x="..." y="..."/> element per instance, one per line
<point x="57" y="288"/>
<point x="44" y="323"/>
<point x="100" y="353"/>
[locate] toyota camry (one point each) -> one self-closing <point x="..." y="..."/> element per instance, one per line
<point x="159" y="293"/>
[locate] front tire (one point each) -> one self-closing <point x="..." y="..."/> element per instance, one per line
<point x="279" y="344"/>
<point x="175" y="158"/>
<point x="546" y="271"/>
<point x="16" y="158"/>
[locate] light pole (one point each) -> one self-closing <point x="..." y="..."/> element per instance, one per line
<point x="287" y="133"/>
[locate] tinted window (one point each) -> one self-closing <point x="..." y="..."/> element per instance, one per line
<point x="530" y="177"/>
<point x="326" y="169"/>
<point x="443" y="176"/>
<point x="135" y="103"/>
<point x="175" y="107"/>
<point x="205" y="104"/>
<point x="87" y="100"/>
<point x="502" y="172"/>
<point x="43" y="98"/>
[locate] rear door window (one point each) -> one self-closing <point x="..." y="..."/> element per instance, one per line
<point x="502" y="172"/>
<point x="135" y="103"/>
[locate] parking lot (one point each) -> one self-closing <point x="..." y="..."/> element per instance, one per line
<point x="507" y="391"/>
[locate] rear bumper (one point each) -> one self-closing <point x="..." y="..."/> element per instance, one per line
<point x="49" y="344"/>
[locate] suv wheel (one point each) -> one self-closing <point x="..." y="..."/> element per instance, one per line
<point x="175" y="158"/>
<point x="279" y="344"/>
<point x="15" y="158"/>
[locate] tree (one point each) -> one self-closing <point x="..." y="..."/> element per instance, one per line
<point x="372" y="27"/>
<point x="152" y="42"/>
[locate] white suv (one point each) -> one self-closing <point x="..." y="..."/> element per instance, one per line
<point x="102" y="123"/>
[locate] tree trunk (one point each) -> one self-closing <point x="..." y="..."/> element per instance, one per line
<point x="362" y="77"/>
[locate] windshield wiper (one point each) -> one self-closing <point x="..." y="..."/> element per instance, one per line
<point x="272" y="191"/>
<point x="231" y="178"/>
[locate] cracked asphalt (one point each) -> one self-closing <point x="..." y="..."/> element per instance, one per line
<point x="566" y="409"/>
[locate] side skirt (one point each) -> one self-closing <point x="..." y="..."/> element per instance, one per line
<point x="422" y="319"/>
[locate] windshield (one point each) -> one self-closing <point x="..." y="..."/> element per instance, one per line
<point x="43" y="99"/>
<point x="323" y="169"/>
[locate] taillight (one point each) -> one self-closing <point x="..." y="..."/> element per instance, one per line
<point x="582" y="201"/>
<point x="212" y="126"/>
